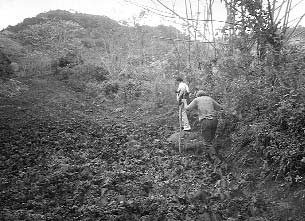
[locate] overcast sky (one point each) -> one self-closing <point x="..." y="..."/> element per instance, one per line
<point x="14" y="11"/>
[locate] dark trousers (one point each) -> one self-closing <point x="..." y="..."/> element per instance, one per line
<point x="208" y="129"/>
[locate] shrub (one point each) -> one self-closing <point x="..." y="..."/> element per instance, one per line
<point x="69" y="60"/>
<point x="80" y="75"/>
<point x="282" y="138"/>
<point x="94" y="89"/>
<point x="65" y="73"/>
<point x="269" y="102"/>
<point x="36" y="64"/>
<point x="131" y="90"/>
<point x="111" y="88"/>
<point x="5" y="68"/>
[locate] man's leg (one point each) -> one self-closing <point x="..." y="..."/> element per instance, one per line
<point x="205" y="129"/>
<point x="208" y="130"/>
<point x="185" y="121"/>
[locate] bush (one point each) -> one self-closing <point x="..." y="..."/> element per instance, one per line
<point x="274" y="128"/>
<point x="69" y="60"/>
<point x="131" y="90"/>
<point x="107" y="88"/>
<point x="6" y="70"/>
<point x="81" y="75"/>
<point x="268" y="104"/>
<point x="36" y="64"/>
<point x="111" y="88"/>
<point x="282" y="138"/>
<point x="65" y="73"/>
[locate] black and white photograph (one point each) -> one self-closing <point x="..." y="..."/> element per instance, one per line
<point x="152" y="110"/>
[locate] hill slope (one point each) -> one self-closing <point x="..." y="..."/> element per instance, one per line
<point x="85" y="50"/>
<point x="97" y="39"/>
<point x="83" y="136"/>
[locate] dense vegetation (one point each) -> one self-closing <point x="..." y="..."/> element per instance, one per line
<point x="84" y="123"/>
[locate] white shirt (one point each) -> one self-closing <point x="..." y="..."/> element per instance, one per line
<point x="182" y="89"/>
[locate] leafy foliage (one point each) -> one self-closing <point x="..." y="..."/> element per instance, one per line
<point x="79" y="76"/>
<point x="5" y="68"/>
<point x="271" y="118"/>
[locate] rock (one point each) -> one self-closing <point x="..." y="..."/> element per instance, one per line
<point x="174" y="137"/>
<point x="188" y="139"/>
<point x="183" y="136"/>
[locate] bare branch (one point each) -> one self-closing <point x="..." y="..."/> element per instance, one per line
<point x="212" y="25"/>
<point x="288" y="7"/>
<point x="169" y="15"/>
<point x="179" y="16"/>
<point x="270" y="12"/>
<point x="189" y="36"/>
<point x="196" y="26"/>
<point x="297" y="4"/>
<point x="295" y="27"/>
<point x="183" y="40"/>
<point x="291" y="21"/>
<point x="298" y="34"/>
<point x="226" y="1"/>
<point x="279" y="9"/>
<point x="147" y="7"/>
<point x="273" y="8"/>
<point x="170" y="9"/>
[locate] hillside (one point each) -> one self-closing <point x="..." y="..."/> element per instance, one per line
<point x="97" y="39"/>
<point x="87" y="106"/>
<point x="64" y="44"/>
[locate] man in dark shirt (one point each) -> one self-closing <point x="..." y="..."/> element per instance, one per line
<point x="207" y="109"/>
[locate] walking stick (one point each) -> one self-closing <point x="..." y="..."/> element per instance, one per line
<point x="180" y="126"/>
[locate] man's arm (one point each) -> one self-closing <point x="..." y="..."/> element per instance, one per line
<point x="217" y="106"/>
<point x="179" y="95"/>
<point x="191" y="106"/>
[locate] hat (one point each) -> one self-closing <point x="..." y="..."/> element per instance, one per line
<point x="179" y="79"/>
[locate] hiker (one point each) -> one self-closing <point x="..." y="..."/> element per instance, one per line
<point x="206" y="107"/>
<point x="183" y="96"/>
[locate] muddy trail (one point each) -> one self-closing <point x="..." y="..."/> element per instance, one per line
<point x="65" y="158"/>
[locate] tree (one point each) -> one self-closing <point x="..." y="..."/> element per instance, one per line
<point x="264" y="22"/>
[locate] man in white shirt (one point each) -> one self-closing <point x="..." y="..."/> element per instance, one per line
<point x="183" y="96"/>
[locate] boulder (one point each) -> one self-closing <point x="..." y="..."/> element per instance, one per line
<point x="188" y="139"/>
<point x="183" y="135"/>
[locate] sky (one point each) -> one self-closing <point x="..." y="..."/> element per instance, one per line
<point x="13" y="12"/>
